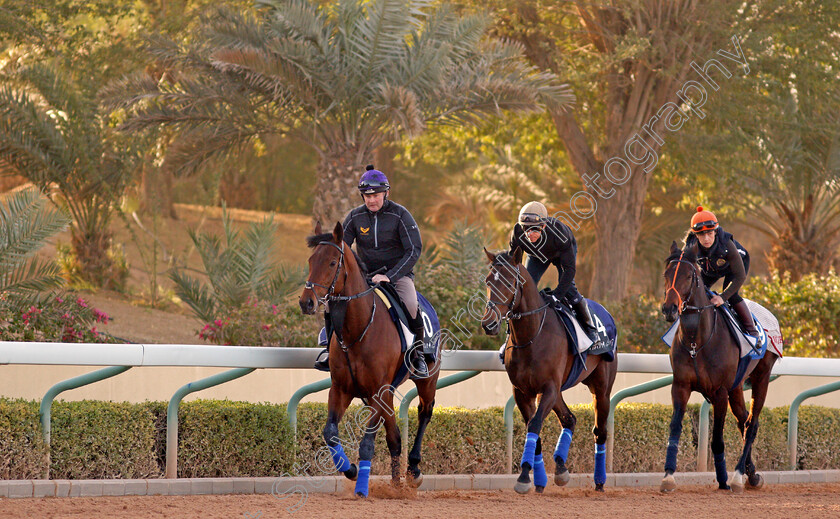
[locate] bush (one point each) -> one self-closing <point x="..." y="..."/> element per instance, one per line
<point x="640" y="325"/>
<point x="53" y="318"/>
<point x="223" y="438"/>
<point x="808" y="311"/>
<point x="259" y="323"/>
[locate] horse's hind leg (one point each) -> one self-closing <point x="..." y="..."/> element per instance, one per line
<point x="759" y="379"/>
<point x="426" y="391"/>
<point x="337" y="405"/>
<point x="739" y="409"/>
<point x="600" y="388"/>
<point x="719" y="404"/>
<point x="561" y="451"/>
<point x="679" y="397"/>
<point x="392" y="432"/>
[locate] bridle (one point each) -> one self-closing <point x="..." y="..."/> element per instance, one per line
<point x="684" y="307"/>
<point x="510" y="315"/>
<point x="331" y="297"/>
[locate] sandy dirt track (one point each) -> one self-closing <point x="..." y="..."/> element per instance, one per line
<point x="776" y="501"/>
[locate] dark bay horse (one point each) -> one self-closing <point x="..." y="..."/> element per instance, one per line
<point x="704" y="357"/>
<point x="538" y="361"/>
<point x="364" y="359"/>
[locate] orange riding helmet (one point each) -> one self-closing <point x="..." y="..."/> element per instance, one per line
<point x="703" y="221"/>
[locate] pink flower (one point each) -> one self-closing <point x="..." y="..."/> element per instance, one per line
<point x="81" y="302"/>
<point x="274" y="309"/>
<point x="218" y="323"/>
<point x="58" y="299"/>
<point x="266" y="327"/>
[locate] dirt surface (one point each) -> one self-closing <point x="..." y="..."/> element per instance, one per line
<point x="775" y="501"/>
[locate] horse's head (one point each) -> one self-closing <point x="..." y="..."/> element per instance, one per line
<point x="681" y="279"/>
<point x="504" y="288"/>
<point x="325" y="266"/>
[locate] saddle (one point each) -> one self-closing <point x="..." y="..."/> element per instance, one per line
<point x="604" y="325"/>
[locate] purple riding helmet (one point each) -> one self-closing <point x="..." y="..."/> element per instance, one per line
<point x="373" y="181"/>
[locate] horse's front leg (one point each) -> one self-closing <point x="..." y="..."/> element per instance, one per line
<point x="532" y="453"/>
<point x="337" y="405"/>
<point x="679" y="397"/>
<point x="366" y="448"/>
<point x="719" y="404"/>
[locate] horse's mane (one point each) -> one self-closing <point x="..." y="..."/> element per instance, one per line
<point x="316" y="239"/>
<point x="503" y="256"/>
<point x="689" y="254"/>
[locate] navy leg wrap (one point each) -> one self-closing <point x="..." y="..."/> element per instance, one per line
<point x="600" y="463"/>
<point x="363" y="477"/>
<point x="563" y="444"/>
<point x="671" y="456"/>
<point x="530" y="449"/>
<point x="720" y="468"/>
<point x="339" y="458"/>
<point x="540" y="477"/>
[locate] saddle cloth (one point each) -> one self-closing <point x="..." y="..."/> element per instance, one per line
<point x="604" y="324"/>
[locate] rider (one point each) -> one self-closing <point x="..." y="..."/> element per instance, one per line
<point x="387" y="238"/>
<point x="548" y="241"/>
<point x="720" y="256"/>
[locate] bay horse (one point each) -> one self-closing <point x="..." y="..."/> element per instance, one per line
<point x="365" y="357"/>
<point x="538" y="361"/>
<point x="704" y="358"/>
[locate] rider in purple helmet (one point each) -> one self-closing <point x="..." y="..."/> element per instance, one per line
<point x="387" y="239"/>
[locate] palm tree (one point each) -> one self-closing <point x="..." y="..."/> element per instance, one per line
<point x="26" y="222"/>
<point x="342" y="78"/>
<point x="52" y="134"/>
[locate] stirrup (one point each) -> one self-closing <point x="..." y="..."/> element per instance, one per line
<point x="418" y="369"/>
<point x="322" y="362"/>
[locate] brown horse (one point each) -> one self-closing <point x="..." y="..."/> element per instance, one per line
<point x="704" y="357"/>
<point x="365" y="359"/>
<point x="538" y="361"/>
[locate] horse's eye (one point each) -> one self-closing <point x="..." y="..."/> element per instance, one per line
<point x="332" y="263"/>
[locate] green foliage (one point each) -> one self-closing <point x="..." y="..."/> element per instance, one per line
<point x="234" y="439"/>
<point x="640" y="325"/>
<point x="452" y="279"/>
<point x="97" y="440"/>
<point x="25" y="452"/>
<point x="259" y="323"/>
<point x="244" y="287"/>
<point x="808" y="311"/>
<point x="52" y="318"/>
<point x="238" y="439"/>
<point x="26" y="223"/>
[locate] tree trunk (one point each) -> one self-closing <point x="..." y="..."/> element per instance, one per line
<point x="336" y="191"/>
<point x="94" y="263"/>
<point x="156" y="189"/>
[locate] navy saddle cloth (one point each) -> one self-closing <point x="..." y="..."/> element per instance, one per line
<point x="607" y="332"/>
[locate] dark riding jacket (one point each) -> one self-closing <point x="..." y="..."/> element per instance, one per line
<point x="387" y="238"/>
<point x="557" y="246"/>
<point x="726" y="258"/>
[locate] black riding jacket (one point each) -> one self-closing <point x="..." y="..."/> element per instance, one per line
<point x="387" y="238"/>
<point x="726" y="258"/>
<point x="556" y="246"/>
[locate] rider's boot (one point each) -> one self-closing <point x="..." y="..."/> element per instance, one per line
<point x="743" y="313"/>
<point x="418" y="366"/>
<point x="322" y="361"/>
<point x="586" y="321"/>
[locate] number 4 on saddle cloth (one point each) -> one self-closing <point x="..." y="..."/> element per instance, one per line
<point x="769" y="332"/>
<point x="388" y="296"/>
<point x="579" y="343"/>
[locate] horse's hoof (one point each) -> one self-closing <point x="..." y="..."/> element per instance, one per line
<point x="522" y="488"/>
<point x="737" y="482"/>
<point x="669" y="484"/>
<point x="413" y="476"/>
<point x="599" y="487"/>
<point x="360" y="495"/>
<point x="539" y="490"/>
<point x="756" y="481"/>
<point x="352" y="472"/>
<point x="724" y="486"/>
<point x="562" y="479"/>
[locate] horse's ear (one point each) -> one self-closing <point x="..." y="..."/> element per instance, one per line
<point x="338" y="233"/>
<point x="516" y="254"/>
<point x="674" y="247"/>
<point x="490" y="256"/>
<point x="693" y="249"/>
<point x="318" y="229"/>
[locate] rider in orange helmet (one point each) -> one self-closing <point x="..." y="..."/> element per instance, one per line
<point x="720" y="256"/>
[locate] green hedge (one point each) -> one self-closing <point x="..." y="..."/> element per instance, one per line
<point x="223" y="438"/>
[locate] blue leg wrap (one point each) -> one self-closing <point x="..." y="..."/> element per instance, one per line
<point x="720" y="468"/>
<point x="563" y="444"/>
<point x="339" y="458"/>
<point x="600" y="463"/>
<point x="530" y="449"/>
<point x="671" y="456"/>
<point x="363" y="477"/>
<point x="540" y="477"/>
